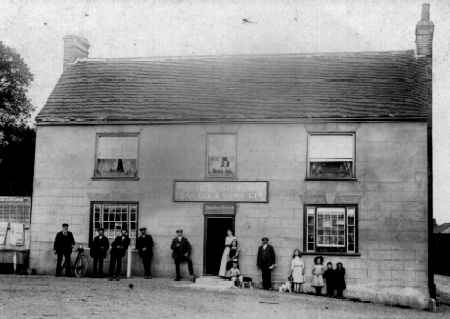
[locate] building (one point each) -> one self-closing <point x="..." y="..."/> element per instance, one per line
<point x="324" y="152"/>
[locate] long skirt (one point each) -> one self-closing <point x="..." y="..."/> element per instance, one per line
<point x="223" y="263"/>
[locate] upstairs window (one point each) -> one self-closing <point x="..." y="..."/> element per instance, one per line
<point x="331" y="229"/>
<point x="331" y="156"/>
<point x="116" y="156"/>
<point x="221" y="155"/>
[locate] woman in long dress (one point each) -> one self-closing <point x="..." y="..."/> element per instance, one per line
<point x="226" y="252"/>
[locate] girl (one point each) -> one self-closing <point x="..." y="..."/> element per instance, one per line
<point x="225" y="256"/>
<point x="328" y="275"/>
<point x="297" y="271"/>
<point x="339" y="275"/>
<point x="317" y="272"/>
<point x="233" y="256"/>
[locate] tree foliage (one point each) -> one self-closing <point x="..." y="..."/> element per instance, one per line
<point x="15" y="78"/>
<point x="17" y="161"/>
<point x="17" y="138"/>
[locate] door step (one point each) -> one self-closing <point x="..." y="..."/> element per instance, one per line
<point x="213" y="283"/>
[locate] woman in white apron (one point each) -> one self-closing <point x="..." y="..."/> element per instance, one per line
<point x="226" y="252"/>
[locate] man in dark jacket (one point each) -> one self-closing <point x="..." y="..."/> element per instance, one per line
<point x="266" y="262"/>
<point x="118" y="250"/>
<point x="181" y="252"/>
<point x="99" y="248"/>
<point x="63" y="245"/>
<point x="144" y="245"/>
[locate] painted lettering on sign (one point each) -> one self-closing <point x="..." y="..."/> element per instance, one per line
<point x="218" y="191"/>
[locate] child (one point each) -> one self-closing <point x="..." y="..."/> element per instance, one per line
<point x="328" y="275"/>
<point x="297" y="271"/>
<point x="339" y="275"/>
<point x="235" y="275"/>
<point x="317" y="272"/>
<point x="233" y="256"/>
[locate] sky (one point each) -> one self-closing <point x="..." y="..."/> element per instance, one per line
<point x="136" y="28"/>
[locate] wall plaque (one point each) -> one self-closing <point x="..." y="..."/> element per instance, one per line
<point x="220" y="191"/>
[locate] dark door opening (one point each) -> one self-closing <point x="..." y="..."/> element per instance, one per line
<point x="215" y="232"/>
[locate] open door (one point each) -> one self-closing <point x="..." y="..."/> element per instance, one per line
<point x="217" y="223"/>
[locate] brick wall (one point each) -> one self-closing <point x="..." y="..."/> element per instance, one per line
<point x="390" y="191"/>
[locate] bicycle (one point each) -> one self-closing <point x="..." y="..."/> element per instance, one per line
<point x="80" y="266"/>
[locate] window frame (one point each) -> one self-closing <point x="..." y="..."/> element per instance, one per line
<point x="118" y="203"/>
<point x="116" y="134"/>
<point x="235" y="175"/>
<point x="325" y="251"/>
<point x="308" y="166"/>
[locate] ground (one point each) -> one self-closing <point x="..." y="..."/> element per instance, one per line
<point x="50" y="297"/>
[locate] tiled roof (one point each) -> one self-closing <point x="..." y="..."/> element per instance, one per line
<point x="342" y="86"/>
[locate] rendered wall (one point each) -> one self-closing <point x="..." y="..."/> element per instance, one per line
<point x="390" y="191"/>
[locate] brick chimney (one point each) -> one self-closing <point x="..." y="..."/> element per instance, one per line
<point x="424" y="33"/>
<point x="75" y="47"/>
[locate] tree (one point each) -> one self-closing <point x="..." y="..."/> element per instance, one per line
<point x="15" y="78"/>
<point x="17" y="161"/>
<point x="17" y="138"/>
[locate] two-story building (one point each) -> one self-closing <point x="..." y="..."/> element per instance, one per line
<point x="324" y="152"/>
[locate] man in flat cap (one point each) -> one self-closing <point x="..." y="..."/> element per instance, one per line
<point x="181" y="252"/>
<point x="266" y="262"/>
<point x="63" y="245"/>
<point x="118" y="249"/>
<point x="99" y="248"/>
<point x="144" y="245"/>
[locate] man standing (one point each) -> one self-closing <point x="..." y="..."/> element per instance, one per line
<point x="118" y="250"/>
<point x="144" y="245"/>
<point x="63" y="245"/>
<point x="266" y="262"/>
<point x="181" y="252"/>
<point x="99" y="247"/>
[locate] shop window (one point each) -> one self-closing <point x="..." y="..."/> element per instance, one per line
<point x="331" y="156"/>
<point x="221" y="155"/>
<point x="331" y="229"/>
<point x="116" y="156"/>
<point x="113" y="217"/>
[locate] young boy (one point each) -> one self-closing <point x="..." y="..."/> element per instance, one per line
<point x="235" y="275"/>
<point x="329" y="275"/>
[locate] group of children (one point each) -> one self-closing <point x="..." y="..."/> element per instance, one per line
<point x="332" y="278"/>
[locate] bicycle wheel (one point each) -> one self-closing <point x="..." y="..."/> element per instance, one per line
<point x="81" y="266"/>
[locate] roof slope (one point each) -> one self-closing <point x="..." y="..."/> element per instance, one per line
<point x="358" y="86"/>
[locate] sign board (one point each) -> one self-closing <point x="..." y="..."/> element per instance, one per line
<point x="221" y="191"/>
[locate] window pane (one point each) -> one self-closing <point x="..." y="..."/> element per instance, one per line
<point x="124" y="147"/>
<point x="310" y="236"/>
<point x="325" y="169"/>
<point x="328" y="223"/>
<point x="116" y="156"/>
<point x="333" y="146"/>
<point x="115" y="218"/>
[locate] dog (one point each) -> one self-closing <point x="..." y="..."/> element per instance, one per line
<point x="286" y="287"/>
<point x="247" y="282"/>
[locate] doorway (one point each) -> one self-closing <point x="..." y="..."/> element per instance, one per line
<point x="216" y="226"/>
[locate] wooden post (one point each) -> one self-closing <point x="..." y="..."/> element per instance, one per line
<point x="129" y="263"/>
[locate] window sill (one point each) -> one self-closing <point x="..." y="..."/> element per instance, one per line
<point x="331" y="254"/>
<point x="96" y="178"/>
<point x="353" y="179"/>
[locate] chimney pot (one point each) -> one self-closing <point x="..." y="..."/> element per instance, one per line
<point x="75" y="47"/>
<point x="424" y="33"/>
